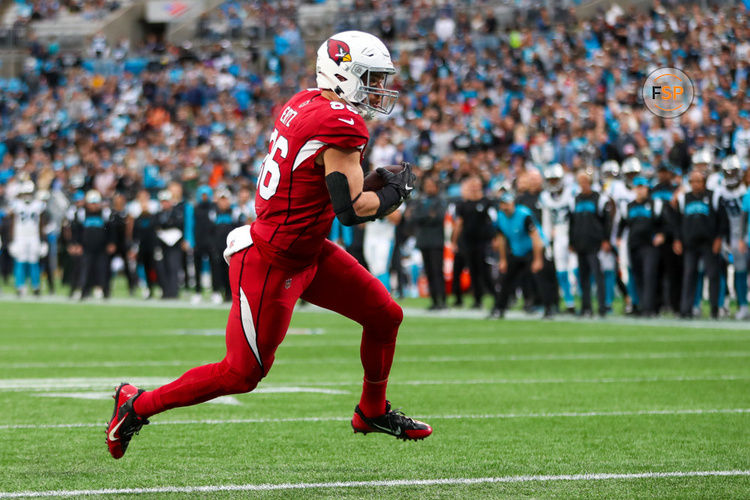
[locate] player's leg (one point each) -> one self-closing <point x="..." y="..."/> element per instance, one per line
<point x="712" y="266"/>
<point x="262" y="305"/>
<point x="584" y="279"/>
<point x="600" y="285"/>
<point x="689" y="278"/>
<point x="740" y="281"/>
<point x="562" y="260"/>
<point x="342" y="285"/>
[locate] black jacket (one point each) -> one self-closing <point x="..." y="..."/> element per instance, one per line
<point x="477" y="224"/>
<point x="644" y="220"/>
<point x="590" y="222"/>
<point x="428" y="217"/>
<point x="700" y="218"/>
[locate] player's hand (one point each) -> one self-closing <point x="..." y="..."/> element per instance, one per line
<point x="502" y="266"/>
<point x="619" y="242"/>
<point x="677" y="247"/>
<point x="111" y="248"/>
<point x="606" y="247"/>
<point x="537" y="265"/>
<point x="402" y="181"/>
<point x="43" y="249"/>
<point x="716" y="247"/>
<point x="742" y="246"/>
<point x="185" y="246"/>
<point x="658" y="240"/>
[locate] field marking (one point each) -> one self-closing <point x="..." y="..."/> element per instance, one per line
<point x="408" y="312"/>
<point x="499" y="416"/>
<point x="379" y="483"/>
<point x="94" y="383"/>
<point x="408" y="359"/>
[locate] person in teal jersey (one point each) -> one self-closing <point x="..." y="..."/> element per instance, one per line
<point x="521" y="246"/>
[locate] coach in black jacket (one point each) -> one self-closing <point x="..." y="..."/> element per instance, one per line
<point x="590" y="229"/>
<point x="429" y="216"/>
<point x="700" y="225"/>
<point x="643" y="216"/>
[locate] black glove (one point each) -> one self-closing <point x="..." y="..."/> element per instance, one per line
<point x="403" y="181"/>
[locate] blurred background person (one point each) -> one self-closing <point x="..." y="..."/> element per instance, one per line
<point x="94" y="241"/>
<point x="170" y="223"/>
<point x="698" y="238"/>
<point x="26" y="243"/>
<point x="590" y="227"/>
<point x="428" y="215"/>
<point x="472" y="235"/>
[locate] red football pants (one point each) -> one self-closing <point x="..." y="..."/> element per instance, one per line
<point x="263" y="298"/>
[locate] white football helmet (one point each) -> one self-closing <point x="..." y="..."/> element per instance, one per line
<point x="610" y="169"/>
<point x="631" y="165"/>
<point x="702" y="157"/>
<point x="26" y="190"/>
<point x="553" y="177"/>
<point x="355" y="65"/>
<point x="732" y="171"/>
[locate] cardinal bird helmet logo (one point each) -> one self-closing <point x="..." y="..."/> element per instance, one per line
<point x="338" y="51"/>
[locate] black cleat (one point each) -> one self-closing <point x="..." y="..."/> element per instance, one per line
<point x="392" y="422"/>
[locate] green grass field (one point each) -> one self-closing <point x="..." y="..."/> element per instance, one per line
<point x="622" y="401"/>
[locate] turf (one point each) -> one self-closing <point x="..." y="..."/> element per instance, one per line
<point x="506" y="399"/>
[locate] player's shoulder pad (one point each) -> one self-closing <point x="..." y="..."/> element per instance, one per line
<point x="342" y="126"/>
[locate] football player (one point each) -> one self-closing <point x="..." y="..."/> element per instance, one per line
<point x="732" y="193"/>
<point x="312" y="173"/>
<point x="27" y="242"/>
<point x="557" y="201"/>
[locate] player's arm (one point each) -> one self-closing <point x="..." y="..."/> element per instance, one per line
<point x="345" y="181"/>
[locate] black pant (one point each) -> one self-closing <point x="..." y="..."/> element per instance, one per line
<point x="146" y="259"/>
<point x="588" y="263"/>
<point x="200" y="252"/>
<point x="168" y="269"/>
<point x="459" y="263"/>
<point x="433" y="268"/>
<point x="358" y="253"/>
<point x="644" y="262"/>
<point x="481" y="282"/>
<point x="93" y="271"/>
<point x="130" y="274"/>
<point x="220" y="275"/>
<point x="670" y="277"/>
<point x="518" y="267"/>
<point x="690" y="276"/>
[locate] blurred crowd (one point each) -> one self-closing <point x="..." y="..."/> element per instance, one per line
<point x="487" y="109"/>
<point x="24" y="12"/>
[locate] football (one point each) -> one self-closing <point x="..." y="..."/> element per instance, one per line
<point x="373" y="182"/>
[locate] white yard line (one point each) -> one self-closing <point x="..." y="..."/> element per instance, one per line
<point x="406" y="359"/>
<point x="380" y="483"/>
<point x="102" y="383"/>
<point x="408" y="311"/>
<point x="498" y="416"/>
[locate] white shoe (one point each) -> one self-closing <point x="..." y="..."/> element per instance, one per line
<point x="196" y="299"/>
<point x="145" y="292"/>
<point x="97" y="293"/>
<point x="76" y="295"/>
<point x="216" y="298"/>
<point x="742" y="313"/>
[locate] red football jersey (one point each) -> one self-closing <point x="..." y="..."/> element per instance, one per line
<point x="292" y="202"/>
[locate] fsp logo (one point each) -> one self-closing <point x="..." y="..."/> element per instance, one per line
<point x="668" y="92"/>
